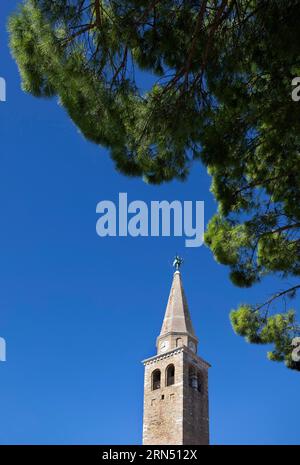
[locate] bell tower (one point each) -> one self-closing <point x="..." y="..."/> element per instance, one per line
<point x="176" y="379"/>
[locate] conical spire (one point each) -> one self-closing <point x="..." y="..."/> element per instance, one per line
<point x="177" y="317"/>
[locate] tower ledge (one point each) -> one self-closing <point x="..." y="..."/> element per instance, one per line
<point x="176" y="351"/>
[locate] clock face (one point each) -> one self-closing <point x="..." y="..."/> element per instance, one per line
<point x="192" y="346"/>
<point x="164" y="346"/>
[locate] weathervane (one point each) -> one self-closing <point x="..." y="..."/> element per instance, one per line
<point x="178" y="261"/>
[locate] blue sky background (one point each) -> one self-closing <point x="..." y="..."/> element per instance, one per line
<point x="79" y="313"/>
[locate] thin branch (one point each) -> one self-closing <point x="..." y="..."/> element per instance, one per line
<point x="277" y="296"/>
<point x="78" y="33"/>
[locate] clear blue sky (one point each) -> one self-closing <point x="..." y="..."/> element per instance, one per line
<point x="79" y="313"/>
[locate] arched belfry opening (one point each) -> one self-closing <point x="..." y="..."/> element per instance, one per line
<point x="199" y="381"/>
<point x="170" y="375"/>
<point x="193" y="379"/>
<point x="156" y="377"/>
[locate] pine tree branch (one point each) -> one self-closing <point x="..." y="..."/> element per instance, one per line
<point x="98" y="14"/>
<point x="277" y="296"/>
<point x="199" y="22"/>
<point x="78" y="33"/>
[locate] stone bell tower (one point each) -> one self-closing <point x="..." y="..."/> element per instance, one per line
<point x="176" y="379"/>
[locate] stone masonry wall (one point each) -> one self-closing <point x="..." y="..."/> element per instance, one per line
<point x="163" y="408"/>
<point x="176" y="414"/>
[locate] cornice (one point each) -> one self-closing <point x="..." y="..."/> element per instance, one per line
<point x="178" y="350"/>
<point x="158" y="357"/>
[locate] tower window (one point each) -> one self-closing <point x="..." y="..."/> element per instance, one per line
<point x="179" y="342"/>
<point x="170" y="375"/>
<point x="155" y="380"/>
<point x="199" y="381"/>
<point x="193" y="379"/>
